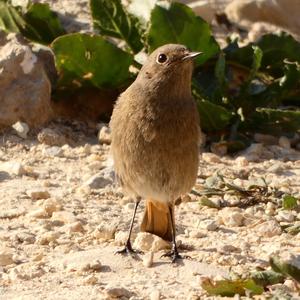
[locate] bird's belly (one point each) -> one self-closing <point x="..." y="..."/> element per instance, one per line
<point x="161" y="169"/>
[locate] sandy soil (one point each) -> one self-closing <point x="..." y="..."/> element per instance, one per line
<point x="62" y="218"/>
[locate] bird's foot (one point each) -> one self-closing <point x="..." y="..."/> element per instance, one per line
<point x="128" y="250"/>
<point x="174" y="255"/>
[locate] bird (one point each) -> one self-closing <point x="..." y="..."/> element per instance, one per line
<point x="155" y="140"/>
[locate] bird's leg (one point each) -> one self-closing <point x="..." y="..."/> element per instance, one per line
<point x="128" y="248"/>
<point x="174" y="252"/>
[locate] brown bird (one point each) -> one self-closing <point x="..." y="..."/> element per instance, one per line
<point x="155" y="139"/>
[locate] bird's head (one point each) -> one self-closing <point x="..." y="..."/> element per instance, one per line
<point x="168" y="60"/>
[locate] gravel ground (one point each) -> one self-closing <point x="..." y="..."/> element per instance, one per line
<point x="62" y="217"/>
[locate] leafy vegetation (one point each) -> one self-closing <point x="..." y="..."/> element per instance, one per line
<point x="229" y="288"/>
<point x="239" y="90"/>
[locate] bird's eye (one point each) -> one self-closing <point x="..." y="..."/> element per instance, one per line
<point x="161" y="58"/>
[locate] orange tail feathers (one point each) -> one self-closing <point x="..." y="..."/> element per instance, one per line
<point x="157" y="219"/>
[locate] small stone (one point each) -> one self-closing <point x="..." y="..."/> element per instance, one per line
<point x="94" y="158"/>
<point x="276" y="167"/>
<point x="65" y="217"/>
<point x="51" y="205"/>
<point x="209" y="225"/>
<point x="186" y="199"/>
<point x="51" y="137"/>
<point x="21" y="129"/>
<point x="284" y="142"/>
<point x="155" y="295"/>
<point x="38" y="257"/>
<point x="90" y="280"/>
<point x="75" y="227"/>
<point x="98" y="181"/>
<point x="38" y="194"/>
<point x="270" y="209"/>
<point x="265" y="139"/>
<point x="25" y="237"/>
<point x="121" y="237"/>
<point x="47" y="237"/>
<point x="39" y="213"/>
<point x="211" y="158"/>
<point x="104" y="135"/>
<point x="285" y="216"/>
<point x="13" y="168"/>
<point x="291" y="285"/>
<point x="26" y="271"/>
<point x="233" y="200"/>
<point x="269" y="228"/>
<point x="92" y="266"/>
<point x="231" y="216"/>
<point x="229" y="249"/>
<point x="241" y="161"/>
<point x="197" y="234"/>
<point x="105" y="231"/>
<point x="6" y="258"/>
<point x="148" y="259"/>
<point x="146" y="241"/>
<point x="117" y="292"/>
<point x="52" y="151"/>
<point x="95" y="166"/>
<point x="219" y="149"/>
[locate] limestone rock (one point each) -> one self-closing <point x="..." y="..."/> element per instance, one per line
<point x="105" y="231"/>
<point x="6" y="258"/>
<point x="284" y="142"/>
<point x="269" y="228"/>
<point x="117" y="292"/>
<point x="21" y="129"/>
<point x="13" y="168"/>
<point x="146" y="241"/>
<point x="282" y="13"/>
<point x="24" y="85"/>
<point x="231" y="216"/>
<point x="100" y="180"/>
<point x="104" y="135"/>
<point x="38" y="194"/>
<point x="148" y="259"/>
<point x="51" y="137"/>
<point x="53" y="151"/>
<point x="65" y="217"/>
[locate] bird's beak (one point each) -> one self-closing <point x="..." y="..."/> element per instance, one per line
<point x="191" y="55"/>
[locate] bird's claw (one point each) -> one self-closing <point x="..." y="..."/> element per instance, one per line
<point x="128" y="250"/>
<point x="174" y="255"/>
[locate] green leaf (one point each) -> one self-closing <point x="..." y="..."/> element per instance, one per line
<point x="275" y="48"/>
<point x="111" y="19"/>
<point x="292" y="229"/>
<point x="228" y="288"/>
<point x="220" y="69"/>
<point x="286" y="268"/>
<point x="83" y="59"/>
<point x="274" y="121"/>
<point x="42" y="24"/>
<point x="268" y="277"/>
<point x="213" y="117"/>
<point x="204" y="201"/>
<point x="38" y="24"/>
<point x="289" y="202"/>
<point x="257" y="58"/>
<point x="10" y="18"/>
<point x="178" y="24"/>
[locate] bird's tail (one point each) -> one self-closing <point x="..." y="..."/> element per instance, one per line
<point x="157" y="219"/>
